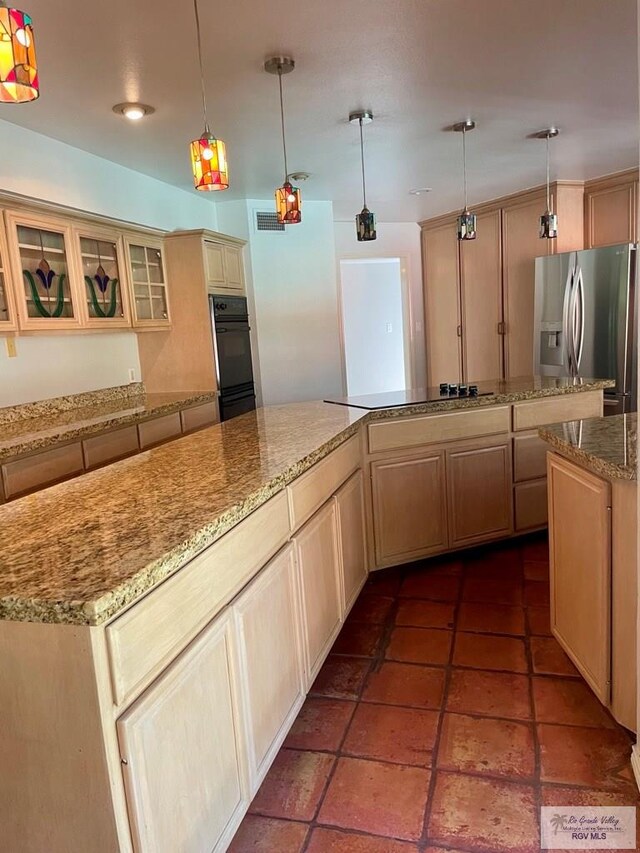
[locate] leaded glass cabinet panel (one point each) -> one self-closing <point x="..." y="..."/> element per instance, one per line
<point x="105" y="292"/>
<point x="148" y="284"/>
<point x="8" y="318"/>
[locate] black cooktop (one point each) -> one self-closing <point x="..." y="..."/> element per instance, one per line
<point x="410" y="397"/>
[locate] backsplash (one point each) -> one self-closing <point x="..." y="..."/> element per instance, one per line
<point x="11" y="414"/>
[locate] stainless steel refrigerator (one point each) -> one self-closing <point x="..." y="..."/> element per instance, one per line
<point x="586" y="320"/>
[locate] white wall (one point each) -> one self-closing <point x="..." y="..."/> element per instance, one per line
<point x="42" y="168"/>
<point x="373" y="326"/>
<point x="395" y="240"/>
<point x="295" y="290"/>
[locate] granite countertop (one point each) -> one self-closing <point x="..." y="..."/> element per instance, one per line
<point x="607" y="446"/>
<point x="81" y="551"/>
<point x="48" y="428"/>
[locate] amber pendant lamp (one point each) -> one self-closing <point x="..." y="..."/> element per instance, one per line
<point x="208" y="154"/>
<point x="549" y="219"/>
<point x="19" y="82"/>
<point x="288" y="197"/>
<point x="467" y="221"/>
<point x="366" y="219"/>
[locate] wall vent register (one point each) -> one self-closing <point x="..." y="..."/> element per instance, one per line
<point x="267" y="221"/>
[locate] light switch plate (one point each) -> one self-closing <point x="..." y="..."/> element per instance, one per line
<point x="12" y="352"/>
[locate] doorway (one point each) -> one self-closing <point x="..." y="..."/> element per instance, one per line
<point x="375" y="324"/>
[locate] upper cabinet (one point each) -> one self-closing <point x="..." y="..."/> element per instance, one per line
<point x="105" y="291"/>
<point x="8" y="311"/>
<point x="611" y="210"/>
<point x="224" y="269"/>
<point x="149" y="283"/>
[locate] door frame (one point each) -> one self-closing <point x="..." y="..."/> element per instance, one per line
<point x="407" y="311"/>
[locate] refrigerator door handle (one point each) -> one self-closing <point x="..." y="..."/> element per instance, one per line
<point x="578" y="311"/>
<point x="567" y="320"/>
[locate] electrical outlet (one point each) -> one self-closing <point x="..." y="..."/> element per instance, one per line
<point x="389" y="328"/>
<point x="132" y="374"/>
<point x="11" y="347"/>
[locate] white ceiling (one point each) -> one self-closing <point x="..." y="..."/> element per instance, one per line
<point x="515" y="66"/>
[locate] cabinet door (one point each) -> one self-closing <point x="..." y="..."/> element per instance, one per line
<point x="409" y="507"/>
<point x="45" y="273"/>
<point x="105" y="294"/>
<point x="350" y="507"/>
<point x="580" y="562"/>
<point x="481" y="282"/>
<point x="215" y="264"/>
<point x="271" y="665"/>
<point x="233" y="268"/>
<point x="150" y="298"/>
<point x="442" y="304"/>
<point x="317" y="552"/>
<point x="521" y="245"/>
<point x="479" y="493"/>
<point x="611" y="214"/>
<point x="181" y="760"/>
<point x="8" y="309"/>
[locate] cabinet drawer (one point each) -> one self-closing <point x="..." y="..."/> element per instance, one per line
<point x="552" y="410"/>
<point x="199" y="416"/>
<point x="313" y="488"/>
<point x="110" y="446"/>
<point x="531" y="504"/>
<point x="152" y="632"/>
<point x="41" y="469"/>
<point x="159" y="429"/>
<point x="529" y="458"/>
<point x="430" y="429"/>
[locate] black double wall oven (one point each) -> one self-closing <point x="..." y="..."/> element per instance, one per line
<point x="230" y="322"/>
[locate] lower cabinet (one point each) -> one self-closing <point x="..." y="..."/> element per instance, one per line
<point x="270" y="660"/>
<point x="350" y="508"/>
<point x="318" y="565"/>
<point x="179" y="745"/>
<point x="409" y="507"/>
<point x="479" y="493"/>
<point x="580" y="561"/>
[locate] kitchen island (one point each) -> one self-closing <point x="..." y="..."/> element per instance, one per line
<point x="171" y="610"/>
<point x="593" y="527"/>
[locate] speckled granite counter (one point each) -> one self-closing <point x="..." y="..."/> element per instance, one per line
<point x="607" y="446"/>
<point x="79" y="552"/>
<point x="53" y="425"/>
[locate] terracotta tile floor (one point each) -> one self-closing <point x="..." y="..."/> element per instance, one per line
<point x="444" y="717"/>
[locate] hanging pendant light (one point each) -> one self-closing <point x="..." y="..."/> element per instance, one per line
<point x="466" y="220"/>
<point x="19" y="82"/>
<point x="288" y="198"/>
<point x="365" y="220"/>
<point x="208" y="154"/>
<point x="548" y="220"/>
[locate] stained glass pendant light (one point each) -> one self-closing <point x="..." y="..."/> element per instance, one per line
<point x="19" y="82"/>
<point x="365" y="220"/>
<point x="288" y="198"/>
<point x="549" y="219"/>
<point x="208" y="154"/>
<point x="466" y="220"/>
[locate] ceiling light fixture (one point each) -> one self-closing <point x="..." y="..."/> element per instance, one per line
<point x="420" y="190"/>
<point x="549" y="219"/>
<point x="133" y="111"/>
<point x="208" y="154"/>
<point x="288" y="198"/>
<point x="466" y="220"/>
<point x="365" y="220"/>
<point x="19" y="81"/>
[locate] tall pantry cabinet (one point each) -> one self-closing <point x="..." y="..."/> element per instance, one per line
<point x="479" y="294"/>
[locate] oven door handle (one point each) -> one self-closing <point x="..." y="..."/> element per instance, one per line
<point x="220" y="331"/>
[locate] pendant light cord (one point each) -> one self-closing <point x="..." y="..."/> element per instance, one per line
<point x="204" y="97"/>
<point x="548" y="177"/>
<point x="284" y="141"/>
<point x="464" y="165"/>
<point x="364" y="185"/>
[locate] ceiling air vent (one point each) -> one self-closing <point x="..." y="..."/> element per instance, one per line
<point x="267" y="221"/>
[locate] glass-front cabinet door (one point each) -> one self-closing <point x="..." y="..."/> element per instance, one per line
<point x="148" y="284"/>
<point x="44" y="276"/>
<point x="8" y="315"/>
<point x="105" y="292"/>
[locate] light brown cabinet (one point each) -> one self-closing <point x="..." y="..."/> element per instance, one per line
<point x="267" y="620"/>
<point x="442" y="304"/>
<point x="351" y="536"/>
<point x="479" y="493"/>
<point x="409" y="507"/>
<point x="181" y="760"/>
<point x="318" y="564"/>
<point x="611" y="210"/>
<point x="580" y="562"/>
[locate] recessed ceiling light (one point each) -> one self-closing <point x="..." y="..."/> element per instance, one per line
<point x="134" y="112"/>
<point x="420" y="190"/>
<point x="299" y="176"/>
